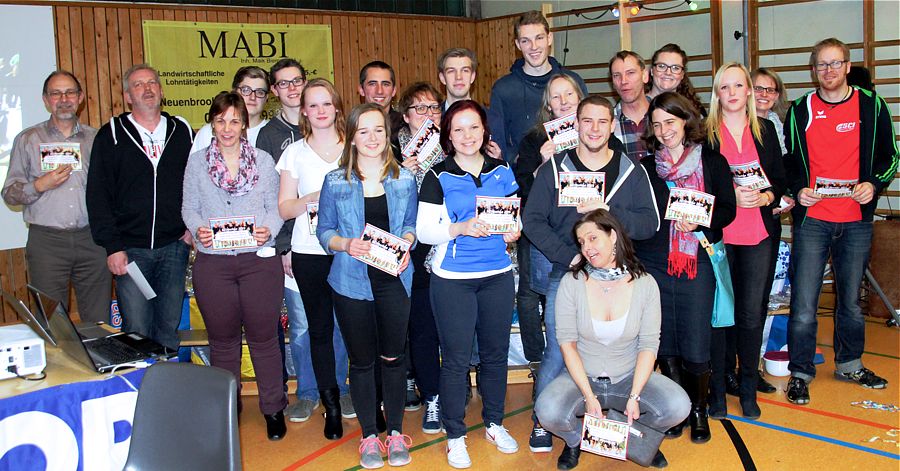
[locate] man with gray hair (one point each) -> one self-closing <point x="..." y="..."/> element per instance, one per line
<point x="47" y="176"/>
<point x="134" y="205"/>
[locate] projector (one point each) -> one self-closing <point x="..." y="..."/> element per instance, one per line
<point x="21" y="352"/>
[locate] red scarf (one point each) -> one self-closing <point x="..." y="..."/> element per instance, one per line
<point x="687" y="173"/>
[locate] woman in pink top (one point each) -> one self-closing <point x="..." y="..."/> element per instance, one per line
<point x="750" y="145"/>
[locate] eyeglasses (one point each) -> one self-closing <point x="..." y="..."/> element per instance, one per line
<point x="765" y="90"/>
<point x="57" y="94"/>
<point x="259" y="92"/>
<point x="297" y="82"/>
<point x="674" y="68"/>
<point x="822" y="66"/>
<point x="424" y="109"/>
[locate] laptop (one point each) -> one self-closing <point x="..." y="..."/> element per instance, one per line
<point x="91" y="344"/>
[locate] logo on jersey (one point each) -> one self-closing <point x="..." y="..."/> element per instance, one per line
<point x="820" y="115"/>
<point x="846" y="127"/>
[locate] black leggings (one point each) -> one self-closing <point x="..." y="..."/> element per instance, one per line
<point x="374" y="330"/>
<point x="311" y="273"/>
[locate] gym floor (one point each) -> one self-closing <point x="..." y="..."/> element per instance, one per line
<point x="828" y="433"/>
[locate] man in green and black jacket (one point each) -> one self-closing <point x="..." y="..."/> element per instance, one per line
<point x="841" y="152"/>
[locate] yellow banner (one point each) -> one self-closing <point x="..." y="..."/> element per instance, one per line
<point x="198" y="60"/>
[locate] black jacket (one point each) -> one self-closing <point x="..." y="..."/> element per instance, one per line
<point x="769" y="152"/>
<point x="717" y="181"/>
<point x="878" y="154"/>
<point x="131" y="205"/>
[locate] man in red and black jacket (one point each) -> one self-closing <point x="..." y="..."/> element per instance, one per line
<point x="836" y="136"/>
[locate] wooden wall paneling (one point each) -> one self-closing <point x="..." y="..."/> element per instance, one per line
<point x="337" y="47"/>
<point x="63" y="38"/>
<point x="91" y="77"/>
<point x="348" y="92"/>
<point x="753" y="32"/>
<point x="20" y="275"/>
<point x="113" y="42"/>
<point x="869" y="36"/>
<point x="353" y="64"/>
<point x="77" y="45"/>
<point x="406" y="46"/>
<point x="104" y="63"/>
<point x="396" y="40"/>
<point x="125" y="57"/>
<point x="715" y="19"/>
<point x="7" y="283"/>
<point x="137" y="37"/>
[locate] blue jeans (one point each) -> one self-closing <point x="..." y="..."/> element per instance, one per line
<point x="552" y="363"/>
<point x="663" y="404"/>
<point x="299" y="335"/>
<point x="157" y="318"/>
<point x="848" y="244"/>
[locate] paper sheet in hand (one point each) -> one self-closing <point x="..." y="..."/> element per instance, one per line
<point x="312" y="216"/>
<point x="604" y="437"/>
<point x="578" y="187"/>
<point x="833" y="188"/>
<point x="233" y="232"/>
<point x="690" y="206"/>
<point x="424" y="146"/>
<point x="135" y="273"/>
<point x="750" y="175"/>
<point x="562" y="132"/>
<point x="501" y="215"/>
<point x="387" y="251"/>
<point x="55" y="154"/>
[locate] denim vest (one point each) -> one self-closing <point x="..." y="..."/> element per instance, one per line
<point x="342" y="213"/>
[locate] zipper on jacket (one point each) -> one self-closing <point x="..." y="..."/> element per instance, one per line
<point x="153" y="221"/>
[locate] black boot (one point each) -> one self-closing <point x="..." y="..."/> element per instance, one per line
<point x="718" y="406"/>
<point x="568" y="459"/>
<point x="762" y="385"/>
<point x="275" y="426"/>
<point x="749" y="406"/>
<point x="659" y="461"/>
<point x="697" y="387"/>
<point x="331" y="401"/>
<point x="670" y="367"/>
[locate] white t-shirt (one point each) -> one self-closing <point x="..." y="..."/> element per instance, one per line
<point x="153" y="141"/>
<point x="204" y="136"/>
<point x="309" y="169"/>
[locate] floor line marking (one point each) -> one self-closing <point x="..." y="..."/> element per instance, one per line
<point x="325" y="449"/>
<point x="444" y="438"/>
<point x="813" y="436"/>
<point x="866" y="352"/>
<point x="826" y="414"/>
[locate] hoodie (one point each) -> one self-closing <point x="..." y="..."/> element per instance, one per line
<point x="130" y="204"/>
<point x="630" y="198"/>
<point x="516" y="102"/>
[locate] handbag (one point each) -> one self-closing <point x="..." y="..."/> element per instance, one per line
<point x="723" y="302"/>
<point x="643" y="442"/>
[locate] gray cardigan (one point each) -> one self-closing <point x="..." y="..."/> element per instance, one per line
<point x="618" y="359"/>
<point x="204" y="200"/>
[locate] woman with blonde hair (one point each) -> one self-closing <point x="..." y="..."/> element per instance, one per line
<point x="744" y="139"/>
<point x="303" y="166"/>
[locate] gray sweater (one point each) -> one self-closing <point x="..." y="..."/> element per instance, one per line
<point x="617" y="359"/>
<point x="204" y="200"/>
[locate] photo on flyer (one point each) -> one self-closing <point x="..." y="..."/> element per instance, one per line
<point x="562" y="132"/>
<point x="501" y="215"/>
<point x="578" y="187"/>
<point x="234" y="232"/>
<point x="387" y="252"/>
<point x="604" y="437"/>
<point x="55" y="154"/>
<point x="690" y="206"/>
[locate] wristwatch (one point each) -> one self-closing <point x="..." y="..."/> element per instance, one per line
<point x="636" y="397"/>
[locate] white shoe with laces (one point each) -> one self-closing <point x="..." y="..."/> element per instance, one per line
<point x="498" y="435"/>
<point x="457" y="455"/>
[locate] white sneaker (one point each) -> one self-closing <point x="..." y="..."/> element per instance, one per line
<point x="457" y="456"/>
<point x="498" y="435"/>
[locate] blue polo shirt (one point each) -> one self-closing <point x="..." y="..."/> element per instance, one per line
<point x="449" y="186"/>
